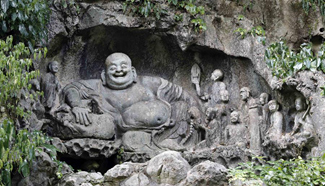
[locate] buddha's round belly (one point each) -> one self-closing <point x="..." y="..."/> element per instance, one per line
<point x="147" y="114"/>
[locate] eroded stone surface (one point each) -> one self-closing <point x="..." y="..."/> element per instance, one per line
<point x="82" y="178"/>
<point x="168" y="167"/>
<point x="44" y="171"/>
<point x="90" y="148"/>
<point x="123" y="171"/>
<point x="206" y="173"/>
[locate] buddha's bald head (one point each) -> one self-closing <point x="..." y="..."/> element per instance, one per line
<point x="119" y="72"/>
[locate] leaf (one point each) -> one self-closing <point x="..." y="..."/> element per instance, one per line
<point x="24" y="168"/>
<point x="4" y="26"/>
<point x="13" y="3"/>
<point x="22" y="30"/>
<point x="6" y="176"/>
<point x="4" y="5"/>
<point x="14" y="16"/>
<point x="308" y="63"/>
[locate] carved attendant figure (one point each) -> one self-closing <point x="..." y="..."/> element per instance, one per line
<point x="217" y="118"/>
<point x="244" y="95"/>
<point x="249" y="108"/>
<point x="274" y="133"/>
<point x="264" y="118"/>
<point x="50" y="86"/>
<point x="303" y="130"/>
<point x="235" y="132"/>
<point x="216" y="87"/>
<point x="195" y="78"/>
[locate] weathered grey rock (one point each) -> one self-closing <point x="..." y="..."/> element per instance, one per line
<point x="206" y="173"/>
<point x="58" y="143"/>
<point x="43" y="171"/>
<point x="101" y="28"/>
<point x="139" y="179"/>
<point x="228" y="156"/>
<point x="90" y="148"/>
<point x="168" y="167"/>
<point x="82" y="178"/>
<point x="121" y="172"/>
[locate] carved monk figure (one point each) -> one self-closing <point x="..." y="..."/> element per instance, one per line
<point x="264" y="113"/>
<point x="274" y="133"/>
<point x="143" y="111"/>
<point x="235" y="132"/>
<point x="50" y="85"/>
<point x="245" y="97"/>
<point x="217" y="118"/>
<point x="249" y="109"/>
<point x="303" y="130"/>
<point x="214" y="90"/>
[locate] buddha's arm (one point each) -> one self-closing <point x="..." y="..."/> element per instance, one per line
<point x="73" y="99"/>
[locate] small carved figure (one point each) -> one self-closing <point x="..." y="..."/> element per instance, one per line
<point x="236" y="132"/>
<point x="217" y="118"/>
<point x="274" y="133"/>
<point x="217" y="86"/>
<point x="264" y="115"/>
<point x="249" y="109"/>
<point x="303" y="131"/>
<point x="50" y="86"/>
<point x="195" y="78"/>
<point x="245" y="96"/>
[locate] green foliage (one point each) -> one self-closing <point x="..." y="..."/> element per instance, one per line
<point x="285" y="63"/>
<point x="309" y="5"/>
<point x="17" y="150"/>
<point x="294" y="172"/>
<point x="255" y="31"/>
<point x="120" y="155"/>
<point x="148" y="8"/>
<point x="15" y="73"/>
<point x="68" y="4"/>
<point x="25" y="19"/>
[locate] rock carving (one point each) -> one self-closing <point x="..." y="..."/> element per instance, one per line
<point x="235" y="132"/>
<point x="214" y="97"/>
<point x="195" y="78"/>
<point x="141" y="112"/>
<point x="50" y="85"/>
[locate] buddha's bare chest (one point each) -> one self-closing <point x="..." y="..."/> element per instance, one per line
<point x="123" y="99"/>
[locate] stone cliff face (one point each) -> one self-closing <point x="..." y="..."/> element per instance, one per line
<point x="83" y="34"/>
<point x="81" y="40"/>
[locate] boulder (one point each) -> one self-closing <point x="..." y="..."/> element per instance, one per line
<point x="207" y="173"/>
<point x="168" y="168"/>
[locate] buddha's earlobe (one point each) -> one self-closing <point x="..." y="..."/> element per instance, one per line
<point x="134" y="74"/>
<point x="102" y="75"/>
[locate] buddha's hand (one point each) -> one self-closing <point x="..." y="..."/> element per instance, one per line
<point x="82" y="115"/>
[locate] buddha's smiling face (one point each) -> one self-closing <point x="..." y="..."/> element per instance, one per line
<point x="119" y="72"/>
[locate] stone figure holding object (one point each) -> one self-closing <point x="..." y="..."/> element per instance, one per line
<point x="195" y="78"/>
<point x="142" y="112"/>
<point x="213" y="95"/>
<point x="50" y="85"/>
<point x="303" y="132"/>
